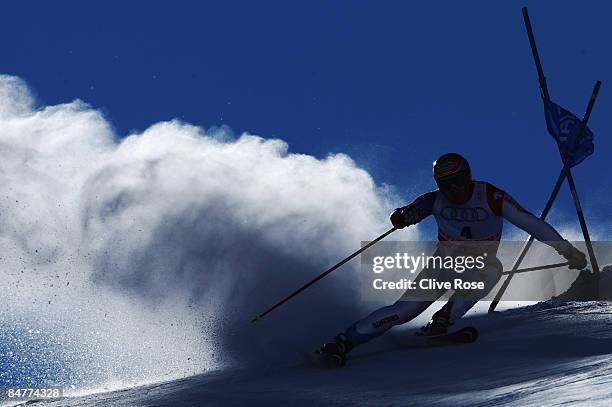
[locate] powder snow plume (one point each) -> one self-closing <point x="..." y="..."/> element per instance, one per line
<point x="127" y="260"/>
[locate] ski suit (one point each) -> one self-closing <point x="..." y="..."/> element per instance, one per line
<point x="479" y="219"/>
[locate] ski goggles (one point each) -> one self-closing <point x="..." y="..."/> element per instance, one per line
<point x="458" y="180"/>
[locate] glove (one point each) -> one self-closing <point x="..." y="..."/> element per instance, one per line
<point x="577" y="259"/>
<point x="397" y="218"/>
<point x="406" y="216"/>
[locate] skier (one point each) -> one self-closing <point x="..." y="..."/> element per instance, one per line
<point x="457" y="197"/>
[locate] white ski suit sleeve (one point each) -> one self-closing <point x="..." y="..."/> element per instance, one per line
<point x="536" y="227"/>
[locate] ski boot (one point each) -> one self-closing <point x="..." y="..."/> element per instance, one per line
<point x="437" y="326"/>
<point x="333" y="353"/>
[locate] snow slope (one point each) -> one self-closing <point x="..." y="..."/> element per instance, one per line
<point x="542" y="355"/>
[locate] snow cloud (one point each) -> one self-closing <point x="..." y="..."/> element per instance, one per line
<point x="145" y="258"/>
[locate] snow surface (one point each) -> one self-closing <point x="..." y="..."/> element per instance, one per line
<point x="543" y="355"/>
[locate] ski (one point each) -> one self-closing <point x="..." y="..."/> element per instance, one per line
<point x="330" y="361"/>
<point x="464" y="335"/>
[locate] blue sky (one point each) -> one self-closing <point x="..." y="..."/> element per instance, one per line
<point x="392" y="84"/>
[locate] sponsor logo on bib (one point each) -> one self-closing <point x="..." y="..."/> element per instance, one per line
<point x="477" y="214"/>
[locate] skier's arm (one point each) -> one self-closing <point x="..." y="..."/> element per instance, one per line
<point x="541" y="230"/>
<point x="536" y="227"/>
<point x="412" y="214"/>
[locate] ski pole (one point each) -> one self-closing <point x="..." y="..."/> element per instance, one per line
<point x="548" y="266"/>
<point x="320" y="276"/>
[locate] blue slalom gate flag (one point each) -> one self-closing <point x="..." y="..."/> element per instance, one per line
<point x="563" y="126"/>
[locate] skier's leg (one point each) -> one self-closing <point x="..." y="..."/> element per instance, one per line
<point x="409" y="306"/>
<point x="462" y="301"/>
<point x="381" y="320"/>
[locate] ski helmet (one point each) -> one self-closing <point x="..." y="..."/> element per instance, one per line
<point x="454" y="178"/>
